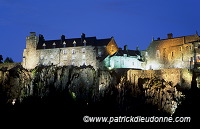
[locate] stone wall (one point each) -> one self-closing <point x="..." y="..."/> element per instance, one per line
<point x="177" y="77"/>
<point x="77" y="56"/>
<point x="171" y="53"/>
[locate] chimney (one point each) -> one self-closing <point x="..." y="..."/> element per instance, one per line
<point x="137" y="48"/>
<point x="62" y="38"/>
<point x="158" y="38"/>
<point x="41" y="38"/>
<point x="170" y="35"/>
<point x="125" y="47"/>
<point x="120" y="48"/>
<point x="82" y="37"/>
<point x="32" y="34"/>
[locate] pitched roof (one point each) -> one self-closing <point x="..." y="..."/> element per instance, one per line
<point x="90" y="41"/>
<point x="128" y="52"/>
<point x="188" y="38"/>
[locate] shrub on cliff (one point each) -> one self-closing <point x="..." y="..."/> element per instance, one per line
<point x="1" y="59"/>
<point x="8" y="60"/>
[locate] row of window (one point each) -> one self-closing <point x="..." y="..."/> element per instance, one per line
<point x="73" y="51"/>
<point x="64" y="44"/>
<point x="164" y="54"/>
<point x="172" y="53"/>
<point x="64" y="57"/>
<point x="72" y="63"/>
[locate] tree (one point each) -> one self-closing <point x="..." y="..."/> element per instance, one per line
<point x="8" y="60"/>
<point x="1" y="59"/>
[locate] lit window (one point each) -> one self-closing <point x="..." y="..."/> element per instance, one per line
<point x="64" y="57"/>
<point x="99" y="54"/>
<point x="73" y="51"/>
<point x="73" y="57"/>
<point x="74" y="43"/>
<point x="125" y="55"/>
<point x="64" y="51"/>
<point x="112" y="47"/>
<point x="146" y="53"/>
<point x="157" y="53"/>
<point x="83" y="50"/>
<point x="83" y="57"/>
<point x="64" y="44"/>
<point x="84" y="42"/>
<point x="44" y="45"/>
<point x="54" y="45"/>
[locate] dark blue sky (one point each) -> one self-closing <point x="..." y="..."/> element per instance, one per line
<point x="130" y="22"/>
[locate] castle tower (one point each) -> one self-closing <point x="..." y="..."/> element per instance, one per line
<point x="30" y="55"/>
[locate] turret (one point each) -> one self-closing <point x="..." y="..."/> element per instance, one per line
<point x="30" y="57"/>
<point x="31" y="41"/>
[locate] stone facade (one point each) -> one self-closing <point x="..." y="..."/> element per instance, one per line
<point x="125" y="59"/>
<point x="178" y="52"/>
<point x="173" y="52"/>
<point x="177" y="77"/>
<point x="78" y="51"/>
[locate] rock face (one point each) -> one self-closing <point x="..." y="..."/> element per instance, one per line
<point x="88" y="86"/>
<point x="165" y="96"/>
<point x="84" y="82"/>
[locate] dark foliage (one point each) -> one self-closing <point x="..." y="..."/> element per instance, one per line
<point x="8" y="60"/>
<point x="1" y="59"/>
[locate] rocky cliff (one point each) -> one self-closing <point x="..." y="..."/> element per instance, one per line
<point x="84" y="90"/>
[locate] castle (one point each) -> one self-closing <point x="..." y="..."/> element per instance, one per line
<point x="81" y="51"/>
<point x="172" y="52"/>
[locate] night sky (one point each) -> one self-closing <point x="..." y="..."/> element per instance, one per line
<point x="130" y="22"/>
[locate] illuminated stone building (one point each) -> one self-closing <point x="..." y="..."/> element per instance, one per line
<point x="125" y="59"/>
<point x="81" y="51"/>
<point x="173" y="52"/>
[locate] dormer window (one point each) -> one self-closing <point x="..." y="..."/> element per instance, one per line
<point x="44" y="45"/>
<point x="64" y="44"/>
<point x="74" y="43"/>
<point x="54" y="45"/>
<point x="84" y="42"/>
